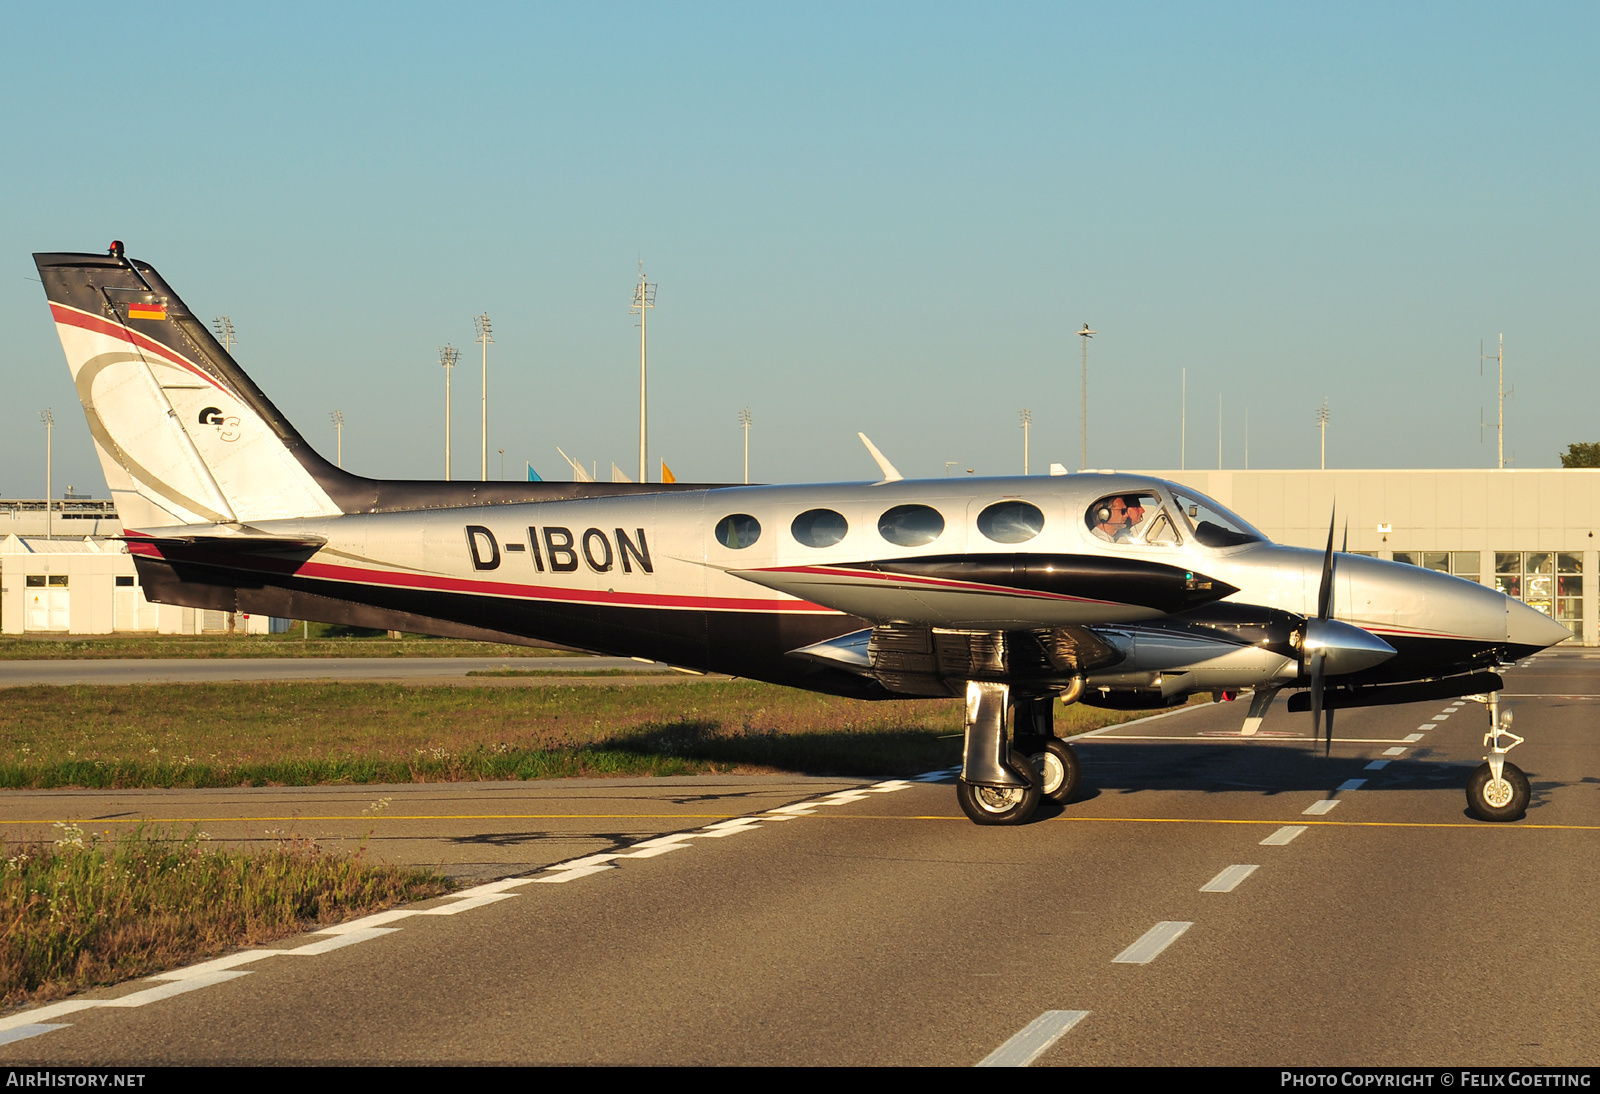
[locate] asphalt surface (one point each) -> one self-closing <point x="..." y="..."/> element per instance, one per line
<point x="877" y="926"/>
<point x="224" y="670"/>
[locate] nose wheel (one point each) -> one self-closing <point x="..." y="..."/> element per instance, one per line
<point x="1498" y="790"/>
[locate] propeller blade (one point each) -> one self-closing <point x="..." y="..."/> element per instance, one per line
<point x="1316" y="695"/>
<point x="1327" y="748"/>
<point x="1325" y="591"/>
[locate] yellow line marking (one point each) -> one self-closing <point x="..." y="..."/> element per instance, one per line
<point x="392" y="817"/>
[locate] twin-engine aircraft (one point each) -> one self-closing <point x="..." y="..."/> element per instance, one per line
<point x="1108" y="589"/>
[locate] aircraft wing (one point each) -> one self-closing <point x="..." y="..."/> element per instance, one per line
<point x="997" y="591"/>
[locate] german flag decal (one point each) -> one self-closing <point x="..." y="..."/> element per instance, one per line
<point x="147" y="311"/>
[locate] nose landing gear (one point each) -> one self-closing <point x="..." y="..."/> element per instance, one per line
<point x="1498" y="790"/>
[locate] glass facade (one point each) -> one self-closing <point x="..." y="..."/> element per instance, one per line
<point x="1551" y="581"/>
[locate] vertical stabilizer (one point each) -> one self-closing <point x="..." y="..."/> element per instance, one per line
<point x="182" y="434"/>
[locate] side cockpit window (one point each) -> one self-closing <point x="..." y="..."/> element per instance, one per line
<point x="1131" y="519"/>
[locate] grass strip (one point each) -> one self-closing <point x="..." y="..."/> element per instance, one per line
<point x="82" y="911"/>
<point x="300" y="733"/>
<point x="324" y="641"/>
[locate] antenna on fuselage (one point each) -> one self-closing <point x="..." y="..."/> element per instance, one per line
<point x="888" y="469"/>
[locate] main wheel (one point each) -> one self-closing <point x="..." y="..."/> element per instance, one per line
<point x="1057" y="765"/>
<point x="1502" y="799"/>
<point x="991" y="805"/>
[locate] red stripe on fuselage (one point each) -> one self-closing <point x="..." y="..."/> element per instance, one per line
<point x="390" y="579"/>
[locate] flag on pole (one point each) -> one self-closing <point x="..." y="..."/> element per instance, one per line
<point x="533" y="476"/>
<point x="666" y="473"/>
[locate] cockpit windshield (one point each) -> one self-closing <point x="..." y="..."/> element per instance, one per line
<point x="1214" y="526"/>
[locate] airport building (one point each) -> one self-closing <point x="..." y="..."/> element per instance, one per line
<point x="1528" y="532"/>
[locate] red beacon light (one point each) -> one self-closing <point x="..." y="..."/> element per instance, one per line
<point x="116" y="248"/>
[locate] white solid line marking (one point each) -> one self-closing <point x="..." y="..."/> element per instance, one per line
<point x="1413" y="738"/>
<point x="1379" y="765"/>
<point x="1351" y="784"/>
<point x="1317" y="809"/>
<point x="1229" y="879"/>
<point x="1395" y="751"/>
<point x="1026" y="1046"/>
<point x="1283" y="836"/>
<point x="1151" y="943"/>
<point x="32" y="1029"/>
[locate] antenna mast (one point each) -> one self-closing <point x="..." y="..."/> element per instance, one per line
<point x="1322" y="424"/>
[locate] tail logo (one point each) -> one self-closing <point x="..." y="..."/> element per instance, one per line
<point x="227" y="428"/>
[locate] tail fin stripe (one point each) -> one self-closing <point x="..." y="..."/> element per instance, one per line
<point x="72" y="317"/>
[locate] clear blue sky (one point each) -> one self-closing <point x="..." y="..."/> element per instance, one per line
<point x="887" y="218"/>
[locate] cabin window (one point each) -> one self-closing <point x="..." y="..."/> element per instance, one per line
<point x="738" y="531"/>
<point x="911" y="525"/>
<point x="1011" y="521"/>
<point x="819" y="527"/>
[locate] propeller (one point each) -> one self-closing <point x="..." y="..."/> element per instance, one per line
<point x="1316" y="653"/>
<point x="1335" y="648"/>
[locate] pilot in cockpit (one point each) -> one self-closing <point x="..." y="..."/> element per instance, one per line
<point x="1116" y="519"/>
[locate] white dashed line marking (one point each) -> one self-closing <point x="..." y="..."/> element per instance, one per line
<point x="1317" y="809"/>
<point x="1421" y="729"/>
<point x="1038" y="1035"/>
<point x="1151" y="943"/>
<point x="1351" y="784"/>
<point x="1283" y="836"/>
<point x="32" y="1023"/>
<point x="1379" y="765"/>
<point x="1441" y="717"/>
<point x="1229" y="879"/>
<point x="1413" y="738"/>
<point x="1397" y="750"/>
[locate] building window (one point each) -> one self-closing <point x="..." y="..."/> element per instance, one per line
<point x="1550" y="581"/>
<point x="124" y="582"/>
<point x="1462" y="564"/>
<point x="35" y="581"/>
<point x="56" y="581"/>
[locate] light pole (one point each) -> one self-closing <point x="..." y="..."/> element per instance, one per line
<point x="448" y="356"/>
<point x="1027" y="421"/>
<point x="644" y="298"/>
<point x="485" y="336"/>
<point x="744" y="423"/>
<point x="1322" y="425"/>
<point x="337" y="417"/>
<point x="49" y="420"/>
<point x="1085" y="334"/>
<point x="223" y="327"/>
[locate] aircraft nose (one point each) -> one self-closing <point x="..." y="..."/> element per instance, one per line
<point x="1531" y="629"/>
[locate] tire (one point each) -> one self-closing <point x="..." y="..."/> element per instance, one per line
<point x="989" y="806"/>
<point x="1498" y="800"/>
<point x="1058" y="768"/>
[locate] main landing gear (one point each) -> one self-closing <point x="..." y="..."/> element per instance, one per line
<point x="1002" y="782"/>
<point x="1498" y="790"/>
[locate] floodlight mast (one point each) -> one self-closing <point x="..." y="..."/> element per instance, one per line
<point x="1085" y="334"/>
<point x="485" y="336"/>
<point x="744" y="423"/>
<point x="1501" y="395"/>
<point x="337" y="418"/>
<point x="49" y="419"/>
<point x="222" y="326"/>
<point x="448" y="356"/>
<point x="1322" y="424"/>
<point x="644" y="298"/>
<point x="1027" y="420"/>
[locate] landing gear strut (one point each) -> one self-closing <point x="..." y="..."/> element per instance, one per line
<point x="997" y="785"/>
<point x="1498" y="790"/>
<point x="1002" y="782"/>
